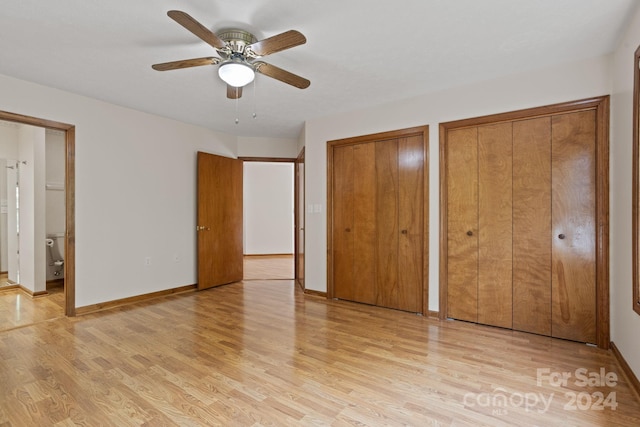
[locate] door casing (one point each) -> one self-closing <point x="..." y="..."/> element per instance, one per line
<point x="70" y="201"/>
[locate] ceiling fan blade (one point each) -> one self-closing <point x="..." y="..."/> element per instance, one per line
<point x="234" y="92"/>
<point x="282" y="75"/>
<point x="196" y="28"/>
<point x="277" y="43"/>
<point x="185" y="63"/>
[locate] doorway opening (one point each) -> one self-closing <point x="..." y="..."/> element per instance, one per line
<point x="58" y="140"/>
<point x="269" y="219"/>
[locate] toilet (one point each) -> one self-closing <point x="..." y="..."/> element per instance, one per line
<point x="55" y="246"/>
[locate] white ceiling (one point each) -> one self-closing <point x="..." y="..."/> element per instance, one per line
<point x="358" y="52"/>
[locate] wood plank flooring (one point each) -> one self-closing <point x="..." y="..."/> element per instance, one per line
<point x="268" y="267"/>
<point x="261" y="353"/>
<point x="19" y="309"/>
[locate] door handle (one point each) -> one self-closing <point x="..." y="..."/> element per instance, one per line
<point x="404" y="231"/>
<point x="202" y="228"/>
<point x="469" y="233"/>
<point x="561" y="236"/>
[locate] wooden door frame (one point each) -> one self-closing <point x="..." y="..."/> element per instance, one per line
<point x="295" y="205"/>
<point x="395" y="134"/>
<point x="70" y="201"/>
<point x="297" y="215"/>
<point x="601" y="106"/>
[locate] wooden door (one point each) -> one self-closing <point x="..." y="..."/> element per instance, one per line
<point x="387" y="223"/>
<point x="300" y="212"/>
<point x="574" y="226"/>
<point x="411" y="161"/>
<point x="354" y="223"/>
<point x="532" y="225"/>
<point x="377" y="219"/>
<point x="494" y="225"/>
<point x="219" y="229"/>
<point x="462" y="224"/>
<point x="363" y="228"/>
<point x="400" y="181"/>
<point x="558" y="199"/>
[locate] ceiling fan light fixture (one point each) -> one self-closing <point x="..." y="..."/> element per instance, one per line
<point x="236" y="74"/>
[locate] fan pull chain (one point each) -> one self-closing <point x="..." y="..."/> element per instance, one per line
<point x="237" y="119"/>
<point x="254" y="115"/>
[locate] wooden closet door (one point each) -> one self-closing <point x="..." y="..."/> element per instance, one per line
<point x="532" y="225"/>
<point x="364" y="223"/>
<point x="495" y="257"/>
<point x="354" y="210"/>
<point x="387" y="223"/>
<point x="462" y="224"/>
<point x="574" y="226"/>
<point x="400" y="184"/>
<point x="343" y="254"/>
<point x="411" y="160"/>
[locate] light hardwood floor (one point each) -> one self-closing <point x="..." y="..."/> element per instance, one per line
<point x="264" y="353"/>
<point x="268" y="267"/>
<point x="19" y="309"/>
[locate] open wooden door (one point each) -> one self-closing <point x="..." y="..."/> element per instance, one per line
<point x="220" y="258"/>
<point x="299" y="219"/>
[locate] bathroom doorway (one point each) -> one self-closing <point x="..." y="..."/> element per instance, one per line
<point x="41" y="250"/>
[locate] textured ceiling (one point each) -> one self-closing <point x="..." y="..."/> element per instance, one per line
<point x="358" y="52"/>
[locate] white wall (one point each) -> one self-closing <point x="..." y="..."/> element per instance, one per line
<point x="625" y="323"/>
<point x="12" y="221"/>
<point x="8" y="151"/>
<point x="268" y="208"/>
<point x="267" y="147"/>
<point x="559" y="84"/>
<point x="31" y="170"/>
<point x="135" y="190"/>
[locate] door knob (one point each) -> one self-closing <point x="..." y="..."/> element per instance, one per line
<point x="561" y="236"/>
<point x="404" y="231"/>
<point x="469" y="233"/>
<point x="347" y="230"/>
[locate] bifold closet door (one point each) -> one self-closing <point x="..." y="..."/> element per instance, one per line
<point x="354" y="229"/>
<point x="480" y="228"/>
<point x="521" y="218"/>
<point x="495" y="284"/>
<point x="462" y="227"/>
<point x="400" y="182"/>
<point x="574" y="226"/>
<point x="532" y="225"/>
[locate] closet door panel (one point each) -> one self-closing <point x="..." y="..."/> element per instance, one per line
<point x="495" y="256"/>
<point x="574" y="226"/>
<point x="532" y="225"/>
<point x="364" y="223"/>
<point x="343" y="242"/>
<point x="410" y="261"/>
<point x="387" y="222"/>
<point x="462" y="224"/>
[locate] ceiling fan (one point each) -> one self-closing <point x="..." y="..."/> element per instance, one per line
<point x="239" y="52"/>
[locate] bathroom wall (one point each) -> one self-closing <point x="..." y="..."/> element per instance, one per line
<point x="55" y="199"/>
<point x="8" y="151"/>
<point x="31" y="169"/>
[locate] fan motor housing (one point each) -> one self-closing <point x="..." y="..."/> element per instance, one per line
<point x="236" y="39"/>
